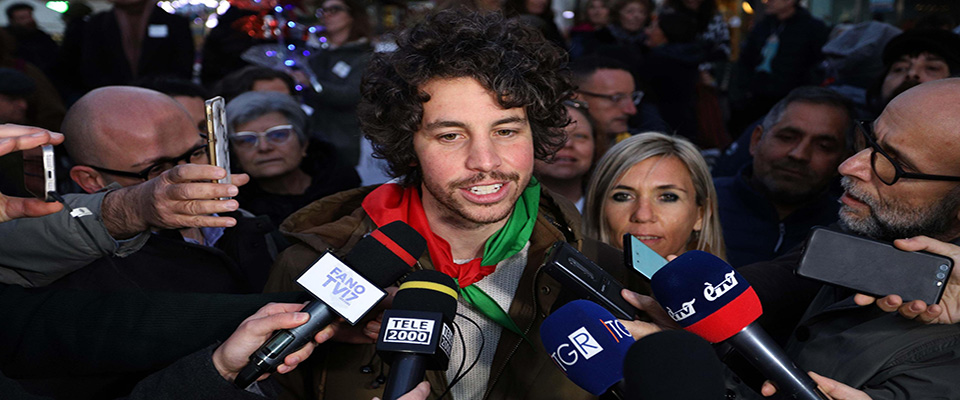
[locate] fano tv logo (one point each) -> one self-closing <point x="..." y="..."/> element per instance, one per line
<point x="409" y="330"/>
<point x="343" y="285"/>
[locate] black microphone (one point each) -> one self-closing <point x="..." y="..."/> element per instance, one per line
<point x="415" y="335"/>
<point x="379" y="260"/>
<point x="673" y="365"/>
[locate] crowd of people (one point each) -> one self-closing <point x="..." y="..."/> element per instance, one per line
<point x="494" y="134"/>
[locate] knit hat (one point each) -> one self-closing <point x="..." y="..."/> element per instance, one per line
<point x="15" y="83"/>
<point x="939" y="42"/>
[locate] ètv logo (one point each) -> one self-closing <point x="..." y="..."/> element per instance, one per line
<point x="583" y="344"/>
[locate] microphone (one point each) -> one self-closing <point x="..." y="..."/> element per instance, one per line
<point x="706" y="296"/>
<point x="673" y="365"/>
<point x="588" y="344"/>
<point x="415" y="335"/>
<point x="379" y="260"/>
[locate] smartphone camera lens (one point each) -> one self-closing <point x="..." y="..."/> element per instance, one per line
<point x="941" y="275"/>
<point x="944" y="267"/>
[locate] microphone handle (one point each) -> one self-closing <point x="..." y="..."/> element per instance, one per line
<point x="283" y="342"/>
<point x="406" y="372"/>
<point x="767" y="356"/>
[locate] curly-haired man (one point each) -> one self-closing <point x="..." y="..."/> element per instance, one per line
<point x="459" y="111"/>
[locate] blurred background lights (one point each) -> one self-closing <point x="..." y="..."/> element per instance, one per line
<point x="58" y="6"/>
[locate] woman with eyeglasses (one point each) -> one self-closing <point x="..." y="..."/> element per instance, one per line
<point x="268" y="141"/>
<point x="658" y="189"/>
<point x="339" y="65"/>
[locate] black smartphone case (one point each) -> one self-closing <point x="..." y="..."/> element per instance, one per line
<point x="586" y="279"/>
<point x="873" y="267"/>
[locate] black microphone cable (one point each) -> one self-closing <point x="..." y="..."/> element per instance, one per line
<point x="457" y="377"/>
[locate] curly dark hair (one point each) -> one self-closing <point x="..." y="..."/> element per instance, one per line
<point x="513" y="61"/>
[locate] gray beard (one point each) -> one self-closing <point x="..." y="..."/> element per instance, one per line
<point x="891" y="221"/>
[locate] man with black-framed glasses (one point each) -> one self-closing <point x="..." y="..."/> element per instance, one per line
<point x="148" y="144"/>
<point x="613" y="98"/>
<point x="902" y="185"/>
<point x="915" y="201"/>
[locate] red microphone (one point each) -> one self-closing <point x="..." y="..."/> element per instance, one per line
<point x="706" y="296"/>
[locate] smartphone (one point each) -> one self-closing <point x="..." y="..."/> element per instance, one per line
<point x="39" y="174"/>
<point x="586" y="279"/>
<point x="640" y="257"/>
<point x="217" y="136"/>
<point x="872" y="267"/>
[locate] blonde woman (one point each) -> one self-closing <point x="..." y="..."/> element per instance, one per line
<point x="658" y="189"/>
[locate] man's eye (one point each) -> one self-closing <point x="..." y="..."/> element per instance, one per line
<point x="506" y="132"/>
<point x="447" y="137"/>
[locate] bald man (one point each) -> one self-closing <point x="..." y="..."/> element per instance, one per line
<point x="147" y="143"/>
<point x="902" y="186"/>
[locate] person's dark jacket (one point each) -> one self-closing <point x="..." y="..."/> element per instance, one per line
<point x="239" y="263"/>
<point x="328" y="172"/>
<point x="752" y="229"/>
<point x="672" y="71"/>
<point x="335" y="117"/>
<point x="167" y="50"/>
<point x="36" y="47"/>
<point x="801" y="37"/>
<point x="224" y="45"/>
<point x="85" y="336"/>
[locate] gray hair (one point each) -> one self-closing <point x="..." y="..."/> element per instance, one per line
<point x="252" y="105"/>
<point x="635" y="149"/>
<point x="814" y="95"/>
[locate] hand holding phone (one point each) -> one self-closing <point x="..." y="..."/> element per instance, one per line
<point x="586" y="279"/>
<point x="947" y="311"/>
<point x="16" y="138"/>
<point x="874" y="268"/>
<point x="217" y="136"/>
<point x="39" y="173"/>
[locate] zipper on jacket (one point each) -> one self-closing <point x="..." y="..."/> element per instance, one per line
<point x="783" y="232"/>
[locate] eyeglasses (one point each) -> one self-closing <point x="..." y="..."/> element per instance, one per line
<point x="330" y="10"/>
<point x="276" y="135"/>
<point x="634" y="97"/>
<point x="196" y="155"/>
<point x="886" y="168"/>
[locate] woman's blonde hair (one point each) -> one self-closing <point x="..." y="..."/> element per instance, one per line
<point x="634" y="150"/>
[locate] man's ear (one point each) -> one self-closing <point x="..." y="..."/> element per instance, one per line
<point x="755" y="139"/>
<point x="89" y="179"/>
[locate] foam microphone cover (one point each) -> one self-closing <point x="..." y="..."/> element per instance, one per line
<point x="387" y="253"/>
<point x="425" y="296"/>
<point x="587" y="343"/>
<point x="673" y="365"/>
<point x="706" y="296"/>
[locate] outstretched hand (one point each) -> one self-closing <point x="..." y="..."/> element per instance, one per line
<point x="185" y="196"/>
<point x="17" y="138"/>
<point x="833" y="389"/>
<point x="659" y="320"/>
<point x="235" y="352"/>
<point x="948" y="310"/>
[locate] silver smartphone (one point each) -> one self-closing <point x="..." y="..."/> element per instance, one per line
<point x="217" y="136"/>
<point x="39" y="173"/>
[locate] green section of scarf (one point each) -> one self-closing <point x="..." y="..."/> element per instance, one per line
<point x="505" y="243"/>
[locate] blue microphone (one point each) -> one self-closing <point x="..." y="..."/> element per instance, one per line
<point x="588" y="344"/>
